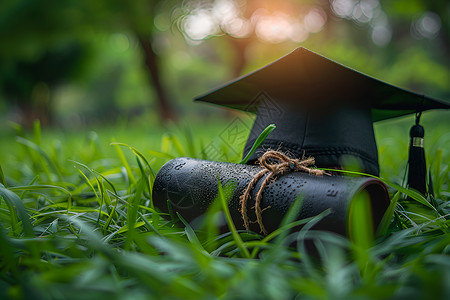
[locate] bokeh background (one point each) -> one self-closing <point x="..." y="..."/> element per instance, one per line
<point x="117" y="66"/>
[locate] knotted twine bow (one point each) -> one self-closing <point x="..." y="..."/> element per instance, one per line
<point x="274" y="163"/>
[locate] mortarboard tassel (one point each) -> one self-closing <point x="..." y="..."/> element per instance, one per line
<point x="417" y="169"/>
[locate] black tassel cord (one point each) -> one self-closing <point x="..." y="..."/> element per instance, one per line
<point x="417" y="169"/>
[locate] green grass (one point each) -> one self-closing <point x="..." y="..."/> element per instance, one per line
<point x="77" y="222"/>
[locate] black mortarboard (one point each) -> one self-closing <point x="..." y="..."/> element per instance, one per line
<point x="321" y="108"/>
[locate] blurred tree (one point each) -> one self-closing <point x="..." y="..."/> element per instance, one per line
<point x="138" y="18"/>
<point x="36" y="53"/>
<point x="43" y="43"/>
<point x="28" y="83"/>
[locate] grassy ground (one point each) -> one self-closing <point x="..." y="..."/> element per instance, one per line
<point x="77" y="222"/>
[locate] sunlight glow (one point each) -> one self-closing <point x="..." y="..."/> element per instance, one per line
<point x="199" y="25"/>
<point x="364" y="12"/>
<point x="381" y="30"/>
<point x="381" y="35"/>
<point x="274" y="28"/>
<point x="225" y="11"/>
<point x="238" y="28"/>
<point x="299" y="33"/>
<point x="276" y="24"/>
<point x="343" y="8"/>
<point x="314" y="20"/>
<point x="427" y="26"/>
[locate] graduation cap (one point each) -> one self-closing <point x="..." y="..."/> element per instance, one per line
<point x="325" y="110"/>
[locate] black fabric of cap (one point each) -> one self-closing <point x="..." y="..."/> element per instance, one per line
<point x="333" y="142"/>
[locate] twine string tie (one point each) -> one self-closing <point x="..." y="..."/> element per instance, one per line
<point x="275" y="163"/>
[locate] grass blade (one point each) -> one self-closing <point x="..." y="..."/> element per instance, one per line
<point x="388" y="215"/>
<point x="43" y="187"/>
<point x="258" y="142"/>
<point x="192" y="237"/>
<point x="18" y="211"/>
<point x="132" y="213"/>
<point x="224" y="196"/>
<point x="124" y="163"/>
<point x="44" y="155"/>
<point x="2" y="177"/>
